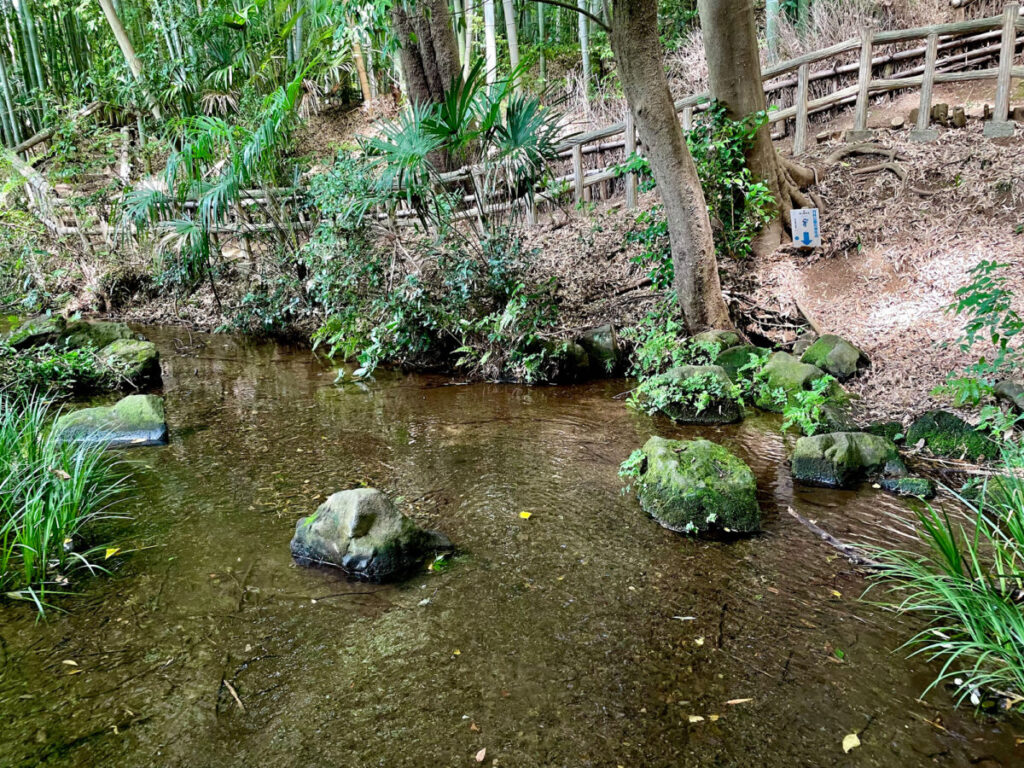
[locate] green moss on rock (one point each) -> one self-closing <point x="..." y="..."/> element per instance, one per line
<point x="735" y="358"/>
<point x="946" y="434"/>
<point x="890" y="430"/>
<point x="844" y="459"/>
<point x="784" y="373"/>
<point x="697" y="487"/>
<point x="133" y="421"/>
<point x="36" y="331"/>
<point x="921" y="487"/>
<point x="605" y="351"/>
<point x="835" y="355"/>
<point x="724" y="339"/>
<point x="137" y="361"/>
<point x="676" y="393"/>
<point x="82" y="333"/>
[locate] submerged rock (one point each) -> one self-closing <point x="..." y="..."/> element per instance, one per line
<point x="137" y="361"/>
<point x="36" y="331"/>
<point x="83" y="333"/>
<point x="844" y="459"/>
<point x="835" y="355"/>
<point x="946" y="434"/>
<point x="719" y="409"/>
<point x="921" y="487"/>
<point x="361" y="532"/>
<point x="785" y="374"/>
<point x="136" y="420"/>
<point x="697" y="487"/>
<point x="735" y="358"/>
<point x="606" y="354"/>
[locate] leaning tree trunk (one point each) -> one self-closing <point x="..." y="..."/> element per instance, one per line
<point x="638" y="55"/>
<point x="428" y="51"/>
<point x="734" y="72"/>
<point x="127" y="49"/>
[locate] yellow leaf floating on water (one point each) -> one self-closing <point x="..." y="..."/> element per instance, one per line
<point x="481" y="755"/>
<point x="696" y="719"/>
<point x="850" y="741"/>
<point x="70" y="662"/>
<point x="525" y="515"/>
<point x="456" y="652"/>
<point x="836" y="593"/>
<point x="111" y="552"/>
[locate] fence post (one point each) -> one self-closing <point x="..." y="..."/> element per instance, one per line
<point x="1000" y="126"/>
<point x="800" y="135"/>
<point x="630" y="149"/>
<point x="860" y="130"/>
<point x="577" y="171"/>
<point x="924" y="110"/>
<point x="687" y="118"/>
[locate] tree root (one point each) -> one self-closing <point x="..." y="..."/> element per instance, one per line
<point x="863" y="148"/>
<point x="896" y="168"/>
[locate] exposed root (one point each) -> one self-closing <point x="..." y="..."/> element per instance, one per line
<point x="896" y="168"/>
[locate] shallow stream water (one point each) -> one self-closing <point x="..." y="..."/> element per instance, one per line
<point x="584" y="636"/>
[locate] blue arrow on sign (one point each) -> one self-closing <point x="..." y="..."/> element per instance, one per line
<point x="807" y="237"/>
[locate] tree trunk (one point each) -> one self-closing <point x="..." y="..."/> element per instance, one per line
<point x="467" y="58"/>
<point x="734" y="72"/>
<point x="428" y="52"/>
<point x="541" y="42"/>
<point x="357" y="54"/>
<point x="638" y="54"/>
<point x="127" y="49"/>
<point x="512" y="32"/>
<point x="490" y="46"/>
<point x="584" y="43"/>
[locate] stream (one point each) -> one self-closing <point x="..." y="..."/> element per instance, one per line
<point x="585" y="635"/>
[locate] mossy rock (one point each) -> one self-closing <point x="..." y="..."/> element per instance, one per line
<point x="834" y="354"/>
<point x="36" y="331"/>
<point x="734" y="358"/>
<point x="919" y="487"/>
<point x="137" y="361"/>
<point x="784" y="372"/>
<point x="891" y="430"/>
<point x="845" y="459"/>
<point x="946" y="434"/>
<point x="361" y="532"/>
<point x="697" y="487"/>
<point x="720" y="409"/>
<point x="804" y="342"/>
<point x="82" y="333"/>
<point x="724" y="339"/>
<point x="605" y="351"/>
<point x="836" y="417"/>
<point x="136" y="420"/>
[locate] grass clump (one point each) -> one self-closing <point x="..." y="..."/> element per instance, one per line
<point x="969" y="587"/>
<point x="50" y="491"/>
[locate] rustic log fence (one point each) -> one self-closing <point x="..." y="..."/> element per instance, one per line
<point x="951" y="53"/>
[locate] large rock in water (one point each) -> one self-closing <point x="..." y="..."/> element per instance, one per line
<point x="361" y="532"/>
<point x="719" y="409"/>
<point x="98" y="334"/>
<point x="946" y="434"/>
<point x="606" y="354"/>
<point x="697" y="487"/>
<point x="835" y="355"/>
<point x="786" y="375"/>
<point x="136" y="420"/>
<point x="844" y="459"/>
<point x="36" y="331"/>
<point x="735" y="358"/>
<point x="137" y="361"/>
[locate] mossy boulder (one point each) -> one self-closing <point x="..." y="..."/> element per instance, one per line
<point x="946" y="434"/>
<point x="36" y="331"/>
<point x="803" y="343"/>
<point x="734" y="358"/>
<point x="678" y="390"/>
<point x="361" y="532"/>
<point x="724" y="339"/>
<point x="136" y="420"/>
<point x="137" y="361"/>
<point x="83" y="333"/>
<point x="606" y="353"/>
<point x="697" y="487"/>
<point x="845" y="459"/>
<point x="784" y="374"/>
<point x="835" y="355"/>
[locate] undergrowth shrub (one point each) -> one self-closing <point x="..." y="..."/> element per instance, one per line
<point x="55" y="371"/>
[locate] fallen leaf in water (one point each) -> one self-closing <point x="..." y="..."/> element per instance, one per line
<point x="474" y="727"/>
<point x="850" y="741"/>
<point x="695" y="719"/>
<point x="111" y="551"/>
<point x="456" y="652"/>
<point x="481" y="755"/>
<point x="70" y="663"/>
<point x="713" y="718"/>
<point x="699" y="641"/>
<point x="733" y="702"/>
<point x="525" y="515"/>
<point x="836" y="593"/>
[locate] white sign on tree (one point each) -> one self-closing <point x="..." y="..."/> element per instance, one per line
<point x="804" y="223"/>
